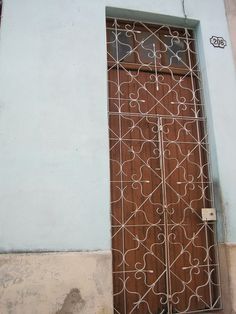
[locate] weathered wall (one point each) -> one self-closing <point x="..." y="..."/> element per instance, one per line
<point x="225" y="280"/>
<point x="56" y="283"/>
<point x="230" y="6"/>
<point x="231" y="256"/>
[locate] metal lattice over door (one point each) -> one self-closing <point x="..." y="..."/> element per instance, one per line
<point x="163" y="229"/>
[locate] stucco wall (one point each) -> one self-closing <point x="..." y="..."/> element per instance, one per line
<point x="54" y="165"/>
<point x="56" y="283"/>
<point x="54" y="173"/>
<point x="54" y="186"/>
<point x="231" y="247"/>
<point x="230" y="6"/>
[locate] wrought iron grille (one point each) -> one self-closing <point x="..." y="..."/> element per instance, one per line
<point x="164" y="255"/>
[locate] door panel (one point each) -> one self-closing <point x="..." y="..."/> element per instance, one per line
<point x="164" y="254"/>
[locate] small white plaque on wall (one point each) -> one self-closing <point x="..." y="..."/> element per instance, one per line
<point x="208" y="214"/>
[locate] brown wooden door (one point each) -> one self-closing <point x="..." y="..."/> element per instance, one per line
<point x="164" y="254"/>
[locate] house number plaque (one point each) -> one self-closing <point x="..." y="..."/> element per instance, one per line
<point x="218" y="42"/>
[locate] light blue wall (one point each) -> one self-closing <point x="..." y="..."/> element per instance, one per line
<point x="54" y="190"/>
<point x="54" y="173"/>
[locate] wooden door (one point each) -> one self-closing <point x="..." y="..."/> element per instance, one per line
<point x="164" y="254"/>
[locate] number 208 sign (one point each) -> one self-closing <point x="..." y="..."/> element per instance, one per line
<point x="218" y="42"/>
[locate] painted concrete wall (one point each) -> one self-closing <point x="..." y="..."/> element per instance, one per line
<point x="230" y="6"/>
<point x="54" y="162"/>
<point x="231" y="247"/>
<point x="54" y="180"/>
<point x="54" y="173"/>
<point x="56" y="283"/>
